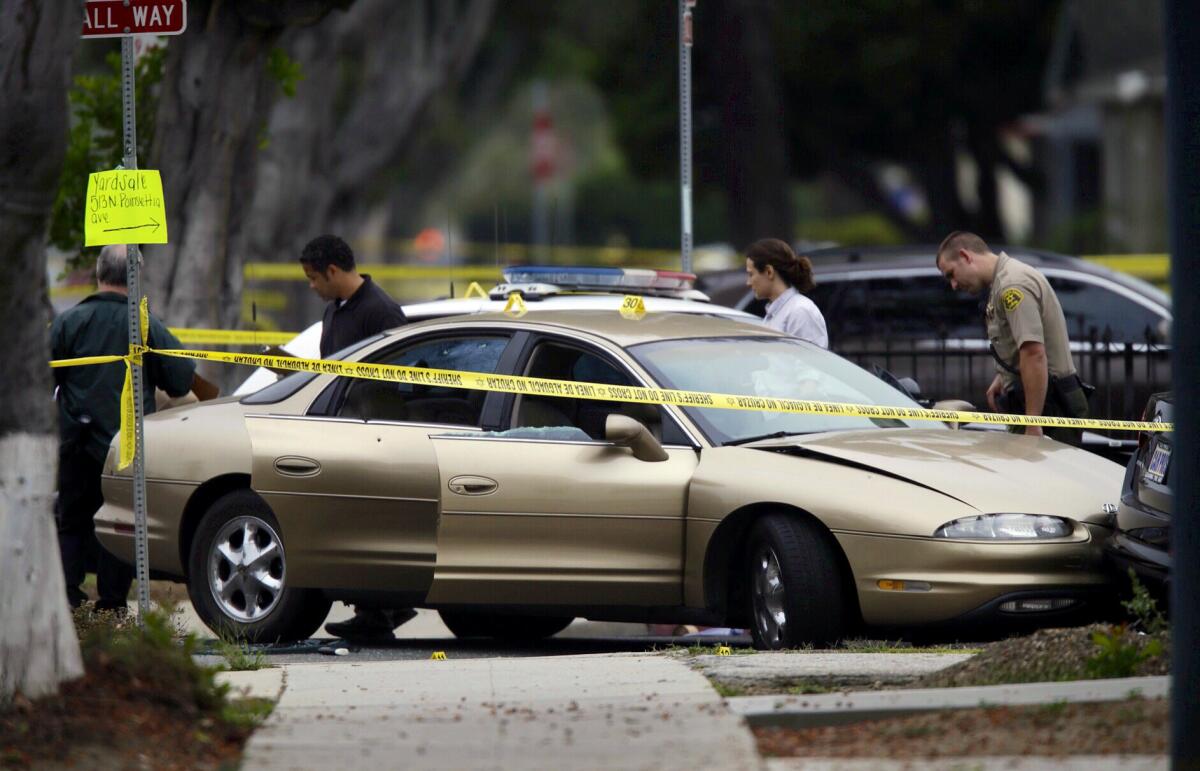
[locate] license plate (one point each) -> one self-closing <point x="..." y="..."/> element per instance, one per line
<point x="1157" y="470"/>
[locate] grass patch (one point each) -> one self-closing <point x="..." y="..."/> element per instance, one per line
<point x="248" y="713"/>
<point x="727" y="691"/>
<point x="897" y="646"/>
<point x="703" y="650"/>
<point x="239" y="656"/>
<point x="807" y="688"/>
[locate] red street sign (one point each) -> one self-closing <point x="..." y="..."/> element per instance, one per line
<point x="117" y="18"/>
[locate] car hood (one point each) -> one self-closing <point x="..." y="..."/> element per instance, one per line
<point x="988" y="471"/>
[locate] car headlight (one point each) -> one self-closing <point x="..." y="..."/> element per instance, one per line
<point x="1006" y="527"/>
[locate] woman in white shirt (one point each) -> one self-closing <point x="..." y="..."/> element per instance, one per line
<point x="778" y="276"/>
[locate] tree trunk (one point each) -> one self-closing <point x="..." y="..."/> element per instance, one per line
<point x="755" y="160"/>
<point x="216" y="95"/>
<point x="984" y="145"/>
<point x="324" y="165"/>
<point x="249" y="175"/>
<point x="938" y="170"/>
<point x="38" y="647"/>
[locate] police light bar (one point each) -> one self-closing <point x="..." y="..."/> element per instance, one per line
<point x="550" y="279"/>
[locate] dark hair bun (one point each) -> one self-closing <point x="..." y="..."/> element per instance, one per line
<point x="795" y="271"/>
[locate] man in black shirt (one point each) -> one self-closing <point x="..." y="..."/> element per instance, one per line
<point x="357" y="309"/>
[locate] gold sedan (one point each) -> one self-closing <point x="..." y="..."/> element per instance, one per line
<point x="512" y="514"/>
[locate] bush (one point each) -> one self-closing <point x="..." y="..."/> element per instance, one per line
<point x="1144" y="609"/>
<point x="151" y="660"/>
<point x="1119" y="654"/>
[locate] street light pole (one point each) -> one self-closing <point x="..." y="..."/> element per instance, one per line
<point x="1181" y="22"/>
<point x="685" y="130"/>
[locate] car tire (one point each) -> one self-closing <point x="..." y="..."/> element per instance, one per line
<point x="243" y="595"/>
<point x="796" y="585"/>
<point x="503" y="627"/>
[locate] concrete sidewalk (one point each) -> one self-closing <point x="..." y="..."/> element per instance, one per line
<point x="627" y="711"/>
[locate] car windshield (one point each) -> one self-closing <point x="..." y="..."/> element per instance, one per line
<point x="779" y="367"/>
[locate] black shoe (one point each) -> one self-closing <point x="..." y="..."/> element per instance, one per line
<point x="368" y="624"/>
<point x="76" y="597"/>
<point x="400" y="616"/>
<point x="112" y="606"/>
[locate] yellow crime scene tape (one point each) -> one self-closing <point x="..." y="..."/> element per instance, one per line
<point x="231" y="336"/>
<point x="286" y="271"/>
<point x="534" y="386"/>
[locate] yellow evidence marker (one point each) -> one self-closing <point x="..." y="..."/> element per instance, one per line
<point x="633" y="307"/>
<point x="438" y="656"/>
<point x="515" y="306"/>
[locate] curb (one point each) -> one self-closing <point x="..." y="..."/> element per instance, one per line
<point x="855" y="706"/>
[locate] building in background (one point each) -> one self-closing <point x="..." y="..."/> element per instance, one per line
<point x="1100" y="146"/>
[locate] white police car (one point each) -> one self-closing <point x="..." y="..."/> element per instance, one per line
<point x="543" y="287"/>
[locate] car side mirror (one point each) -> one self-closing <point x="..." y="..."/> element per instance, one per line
<point x="955" y="405"/>
<point x="624" y="431"/>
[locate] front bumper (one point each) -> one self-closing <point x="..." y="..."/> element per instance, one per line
<point x="1152" y="566"/>
<point x="964" y="579"/>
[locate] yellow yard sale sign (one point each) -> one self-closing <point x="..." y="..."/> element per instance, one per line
<point x="125" y="207"/>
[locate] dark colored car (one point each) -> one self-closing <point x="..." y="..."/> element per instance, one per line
<point x="1143" y="537"/>
<point x="890" y="307"/>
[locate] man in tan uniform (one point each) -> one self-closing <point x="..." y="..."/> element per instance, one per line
<point x="1035" y="374"/>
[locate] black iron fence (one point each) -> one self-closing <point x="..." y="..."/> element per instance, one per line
<point x="1124" y="373"/>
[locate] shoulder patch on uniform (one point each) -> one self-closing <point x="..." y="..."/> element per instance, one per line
<point x="1011" y="298"/>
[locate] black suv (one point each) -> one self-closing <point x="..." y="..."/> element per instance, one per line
<point x="890" y="307"/>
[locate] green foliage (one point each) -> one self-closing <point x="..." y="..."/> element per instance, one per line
<point x="247" y="713"/>
<point x="860" y="230"/>
<point x="1117" y="655"/>
<point x="1144" y="609"/>
<point x="152" y="657"/>
<point x="727" y="691"/>
<point x="1082" y="234"/>
<point x="238" y="655"/>
<point x="285" y="70"/>
<point x="612" y="202"/>
<point x="1054" y="709"/>
<point x="95" y="143"/>
<point x="898" y="646"/>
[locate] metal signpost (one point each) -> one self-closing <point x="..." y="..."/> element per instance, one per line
<point x="685" y="129"/>
<point x="1181" y="30"/>
<point x="125" y="18"/>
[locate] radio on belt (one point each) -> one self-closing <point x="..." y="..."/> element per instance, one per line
<point x="536" y="281"/>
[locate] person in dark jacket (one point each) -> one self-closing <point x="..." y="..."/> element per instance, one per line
<point x="357" y="309"/>
<point x="89" y="416"/>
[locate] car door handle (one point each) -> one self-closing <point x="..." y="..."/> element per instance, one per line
<point x="296" y="466"/>
<point x="473" y="485"/>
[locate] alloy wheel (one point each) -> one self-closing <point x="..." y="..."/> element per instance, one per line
<point x="769" y="615"/>
<point x="246" y="569"/>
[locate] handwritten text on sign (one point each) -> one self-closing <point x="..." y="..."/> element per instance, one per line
<point x="125" y="207"/>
